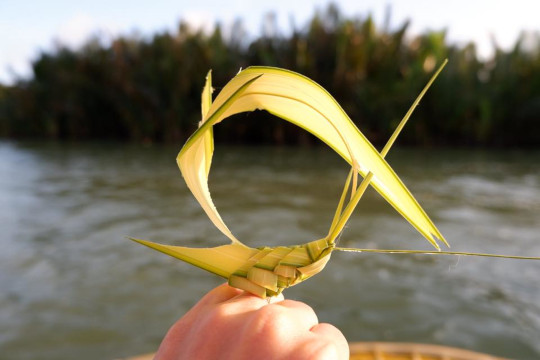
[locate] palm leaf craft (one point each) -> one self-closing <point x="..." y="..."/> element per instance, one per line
<point x="267" y="271"/>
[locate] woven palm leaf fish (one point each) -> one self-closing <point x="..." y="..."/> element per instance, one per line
<point x="268" y="271"/>
<point x="263" y="271"/>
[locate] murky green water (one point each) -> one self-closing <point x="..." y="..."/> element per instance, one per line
<point x="73" y="287"/>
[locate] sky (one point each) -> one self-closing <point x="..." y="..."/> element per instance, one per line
<point x="30" y="27"/>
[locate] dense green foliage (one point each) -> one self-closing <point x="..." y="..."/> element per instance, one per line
<point x="149" y="89"/>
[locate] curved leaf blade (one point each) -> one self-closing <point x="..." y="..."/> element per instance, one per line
<point x="303" y="102"/>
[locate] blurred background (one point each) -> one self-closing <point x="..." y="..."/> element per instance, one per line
<point x="97" y="98"/>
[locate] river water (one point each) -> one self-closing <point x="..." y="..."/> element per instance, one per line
<point x="72" y="285"/>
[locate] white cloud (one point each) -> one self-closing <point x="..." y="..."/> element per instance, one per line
<point x="80" y="27"/>
<point x="76" y="30"/>
<point x="199" y="20"/>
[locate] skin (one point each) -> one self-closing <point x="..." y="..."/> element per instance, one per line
<point x="228" y="323"/>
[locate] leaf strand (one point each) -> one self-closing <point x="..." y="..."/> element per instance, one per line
<point x="422" y="252"/>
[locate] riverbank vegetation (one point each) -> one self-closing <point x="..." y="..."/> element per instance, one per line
<point x="148" y="89"/>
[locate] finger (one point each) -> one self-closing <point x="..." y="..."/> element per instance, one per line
<point x="248" y="301"/>
<point x="293" y="304"/>
<point x="218" y="295"/>
<point x="332" y="334"/>
<point x="303" y="313"/>
<point x="268" y="300"/>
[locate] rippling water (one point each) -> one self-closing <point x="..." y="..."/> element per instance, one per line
<point x="72" y="286"/>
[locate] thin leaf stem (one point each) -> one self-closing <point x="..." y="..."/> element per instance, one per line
<point x="411" y="110"/>
<point x="422" y="252"/>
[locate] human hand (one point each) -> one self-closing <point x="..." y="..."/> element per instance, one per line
<point x="228" y="323"/>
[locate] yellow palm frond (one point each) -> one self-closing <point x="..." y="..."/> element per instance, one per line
<point x="268" y="271"/>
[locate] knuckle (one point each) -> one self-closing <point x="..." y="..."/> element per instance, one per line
<point x="320" y="349"/>
<point x="216" y="314"/>
<point x="327" y="351"/>
<point x="270" y="322"/>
